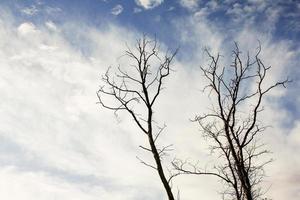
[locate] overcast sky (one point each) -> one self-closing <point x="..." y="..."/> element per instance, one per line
<point x="57" y="143"/>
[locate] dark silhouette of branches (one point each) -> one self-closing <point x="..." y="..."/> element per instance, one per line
<point x="232" y="126"/>
<point x="135" y="89"/>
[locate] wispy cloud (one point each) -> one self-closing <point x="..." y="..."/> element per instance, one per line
<point x="47" y="100"/>
<point x="32" y="10"/>
<point x="57" y="143"/>
<point x="149" y="4"/>
<point x="118" y="9"/>
<point x="52" y="10"/>
<point x="51" y="26"/>
<point x="190" y="4"/>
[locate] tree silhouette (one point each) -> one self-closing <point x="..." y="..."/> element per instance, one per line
<point x="135" y="89"/>
<point x="232" y="126"/>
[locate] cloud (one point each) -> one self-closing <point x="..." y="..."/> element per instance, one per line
<point x="236" y="9"/>
<point x="118" y="9"/>
<point x="47" y="99"/>
<point x="32" y="10"/>
<point x="27" y="28"/>
<point x="202" y="13"/>
<point x="190" y="4"/>
<point x="51" y="26"/>
<point x="57" y="143"/>
<point x="40" y="8"/>
<point x="148" y="4"/>
<point x="52" y="10"/>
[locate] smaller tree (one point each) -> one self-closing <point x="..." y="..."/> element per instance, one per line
<point x="232" y="127"/>
<point x="135" y="90"/>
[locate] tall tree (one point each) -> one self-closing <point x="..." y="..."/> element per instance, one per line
<point x="232" y="126"/>
<point x="135" y="89"/>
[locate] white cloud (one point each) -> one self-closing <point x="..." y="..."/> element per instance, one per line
<point x="198" y="33"/>
<point x="202" y="13"/>
<point x="118" y="9"/>
<point x="51" y="26"/>
<point x="260" y="4"/>
<point x="52" y="122"/>
<point x="16" y="184"/>
<point x="56" y="143"/>
<point x="53" y="10"/>
<point x="32" y="10"/>
<point x="148" y="4"/>
<point x="27" y="28"/>
<point x="283" y="176"/>
<point x="235" y="10"/>
<point x="213" y="5"/>
<point x="190" y="4"/>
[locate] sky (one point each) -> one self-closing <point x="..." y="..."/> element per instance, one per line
<point x="56" y="142"/>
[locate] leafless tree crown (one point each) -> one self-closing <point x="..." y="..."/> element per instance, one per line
<point x="135" y="89"/>
<point x="232" y="126"/>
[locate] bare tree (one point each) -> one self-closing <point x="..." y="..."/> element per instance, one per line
<point x="135" y="89"/>
<point x="232" y="126"/>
